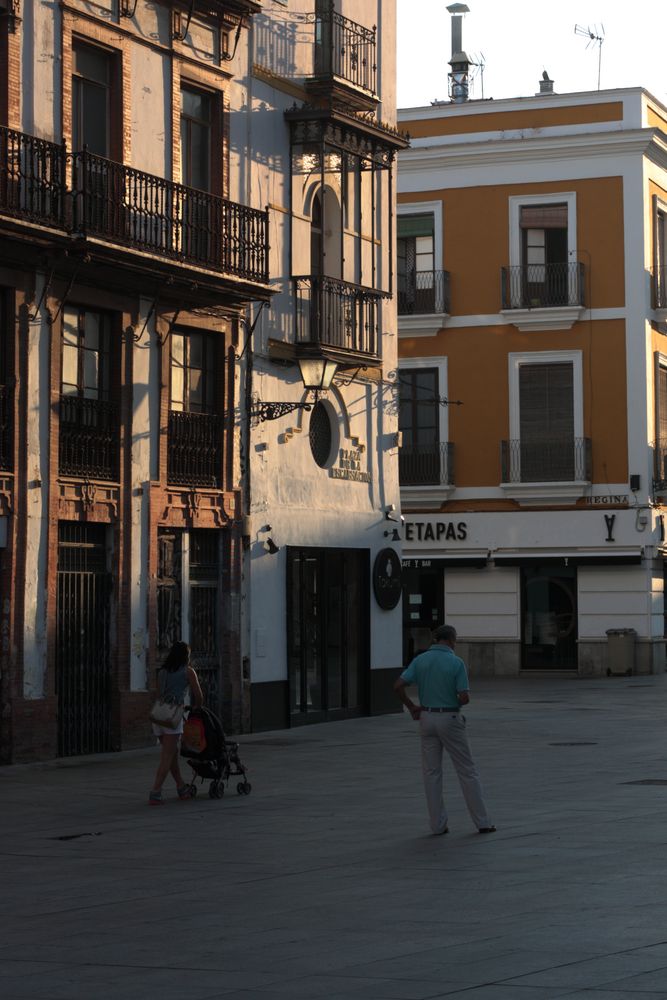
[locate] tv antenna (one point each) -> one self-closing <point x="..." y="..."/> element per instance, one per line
<point x="595" y="36"/>
<point x="479" y="62"/>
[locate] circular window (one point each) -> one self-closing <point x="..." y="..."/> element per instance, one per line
<point x="320" y="435"/>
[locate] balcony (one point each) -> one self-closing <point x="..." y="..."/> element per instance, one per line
<point x="426" y="464"/>
<point x="423" y="293"/>
<point x="130" y="208"/>
<point x="194" y="449"/>
<point x="32" y="179"/>
<point x="345" y="60"/>
<point x="88" y="438"/>
<point x="337" y="316"/>
<point x="543" y="296"/>
<point x="551" y="469"/>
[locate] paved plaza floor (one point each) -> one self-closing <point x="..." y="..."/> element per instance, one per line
<point x="324" y="882"/>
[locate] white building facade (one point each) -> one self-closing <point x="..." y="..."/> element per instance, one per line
<point x="322" y="595"/>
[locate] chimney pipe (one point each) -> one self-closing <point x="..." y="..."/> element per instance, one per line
<point x="546" y="85"/>
<point x="459" y="76"/>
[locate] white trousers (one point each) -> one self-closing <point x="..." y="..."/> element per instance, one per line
<point x="447" y="731"/>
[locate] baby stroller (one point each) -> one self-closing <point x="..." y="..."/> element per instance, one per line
<point x="210" y="755"/>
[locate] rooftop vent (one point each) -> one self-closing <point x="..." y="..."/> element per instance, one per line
<point x="459" y="77"/>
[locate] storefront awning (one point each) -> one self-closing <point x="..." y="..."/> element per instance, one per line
<point x="578" y="557"/>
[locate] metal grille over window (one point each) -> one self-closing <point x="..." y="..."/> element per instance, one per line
<point x="320" y="435"/>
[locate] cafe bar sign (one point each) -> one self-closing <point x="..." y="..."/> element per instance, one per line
<point x="436" y="531"/>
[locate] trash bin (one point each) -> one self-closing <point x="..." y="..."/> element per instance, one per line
<point x="621" y="651"/>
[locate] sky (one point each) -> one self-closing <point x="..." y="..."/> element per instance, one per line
<point x="518" y="40"/>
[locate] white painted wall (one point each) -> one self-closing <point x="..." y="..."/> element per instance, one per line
<point x="151" y="111"/>
<point x="484" y="603"/>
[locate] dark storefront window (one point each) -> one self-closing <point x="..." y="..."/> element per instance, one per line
<point x="549" y="617"/>
<point x="328" y="611"/>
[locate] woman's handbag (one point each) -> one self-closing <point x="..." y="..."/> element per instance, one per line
<point x="166" y="713"/>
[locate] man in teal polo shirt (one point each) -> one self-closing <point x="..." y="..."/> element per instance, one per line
<point x="442" y="683"/>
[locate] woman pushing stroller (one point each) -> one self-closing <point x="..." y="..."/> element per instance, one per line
<point x="174" y="677"/>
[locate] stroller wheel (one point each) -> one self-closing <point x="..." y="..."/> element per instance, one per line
<point x="216" y="789"/>
<point x="244" y="788"/>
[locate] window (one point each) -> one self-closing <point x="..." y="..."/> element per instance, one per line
<point x="415" y="264"/>
<point x="546" y="422"/>
<point x="660" y="471"/>
<point x="419" y="422"/>
<point x="196" y="118"/>
<point x="660" y="254"/>
<point x="320" y="435"/>
<point x="544" y="254"/>
<point x="194" y="444"/>
<point x="85" y="361"/>
<point x="192" y="372"/>
<point x="91" y="99"/>
<point x="88" y="415"/>
<point x="544" y="272"/>
<point x="546" y="442"/>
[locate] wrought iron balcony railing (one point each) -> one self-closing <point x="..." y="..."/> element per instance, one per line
<point x="548" y="460"/>
<point x="194" y="449"/>
<point x="89" y="443"/>
<point x="345" y="50"/>
<point x="660" y="287"/>
<point x="334" y="313"/>
<point x="423" y="292"/>
<point x="542" y="286"/>
<point x="130" y="207"/>
<point x="6" y="400"/>
<point x="426" y="464"/>
<point x="124" y="205"/>
<point x="32" y="178"/>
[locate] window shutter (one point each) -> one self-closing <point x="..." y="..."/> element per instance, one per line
<point x="543" y="217"/>
<point x="415" y="225"/>
<point x="546" y="402"/>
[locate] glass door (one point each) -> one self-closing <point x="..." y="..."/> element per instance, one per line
<point x="327" y="594"/>
<point x="549" y="618"/>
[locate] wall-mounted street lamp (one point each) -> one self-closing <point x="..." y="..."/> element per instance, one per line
<point x="316" y="374"/>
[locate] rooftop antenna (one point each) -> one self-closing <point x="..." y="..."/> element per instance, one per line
<point x="479" y="62"/>
<point x="595" y="36"/>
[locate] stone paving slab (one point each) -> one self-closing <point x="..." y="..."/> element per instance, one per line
<point x="324" y="881"/>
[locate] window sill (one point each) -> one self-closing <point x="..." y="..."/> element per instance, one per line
<point x="414" y="497"/>
<point x="545" y="494"/>
<point x="426" y="324"/>
<point x="552" y="318"/>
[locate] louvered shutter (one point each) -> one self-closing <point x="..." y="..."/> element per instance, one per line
<point x="546" y="422"/>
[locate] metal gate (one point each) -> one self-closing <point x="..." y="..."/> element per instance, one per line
<point x="83" y="662"/>
<point x="188" y="602"/>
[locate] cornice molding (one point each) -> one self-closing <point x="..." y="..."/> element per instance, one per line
<point x="492" y="152"/>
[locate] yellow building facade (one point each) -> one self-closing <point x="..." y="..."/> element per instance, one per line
<point x="533" y="380"/>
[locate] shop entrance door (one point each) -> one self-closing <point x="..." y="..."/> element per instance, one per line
<point x="327" y="634"/>
<point x="549" y="618"/>
<point x="423" y="605"/>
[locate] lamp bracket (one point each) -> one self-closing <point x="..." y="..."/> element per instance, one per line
<point x="273" y="411"/>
